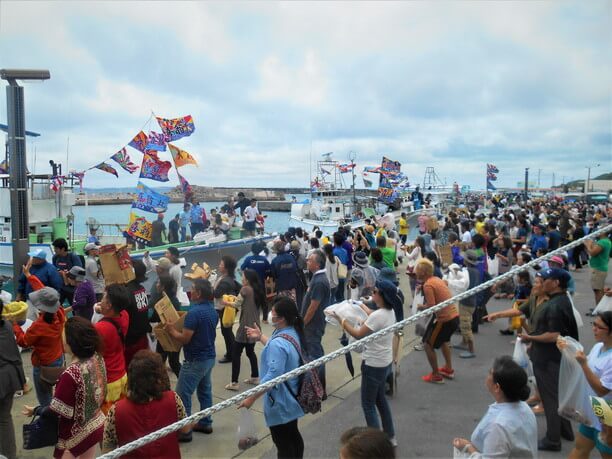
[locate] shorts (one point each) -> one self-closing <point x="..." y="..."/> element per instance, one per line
<point x="598" y="279"/>
<point x="438" y="333"/>
<point x="466" y="314"/>
<point x="249" y="226"/>
<point x="593" y="435"/>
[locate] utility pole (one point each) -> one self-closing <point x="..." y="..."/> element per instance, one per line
<point x="18" y="181"/>
<point x="553" y="182"/>
<point x="526" y="182"/>
<point x="539" y="172"/>
<point x="588" y="180"/>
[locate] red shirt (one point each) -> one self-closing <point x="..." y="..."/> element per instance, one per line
<point x="44" y="338"/>
<point x="113" y="345"/>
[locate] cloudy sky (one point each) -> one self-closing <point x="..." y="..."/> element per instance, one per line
<point x="452" y="85"/>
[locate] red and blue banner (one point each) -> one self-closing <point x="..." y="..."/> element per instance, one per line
<point x="139" y="142"/>
<point x="123" y="159"/>
<point x="176" y="128"/>
<point x="157" y="141"/>
<point x="107" y="168"/>
<point x="153" y="168"/>
<point x="388" y="169"/>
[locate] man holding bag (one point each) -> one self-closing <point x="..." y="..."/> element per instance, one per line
<point x="555" y="319"/>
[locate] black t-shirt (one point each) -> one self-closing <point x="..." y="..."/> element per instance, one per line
<point x="556" y="315"/>
<point x="318" y="290"/>
<point x="138" y="310"/>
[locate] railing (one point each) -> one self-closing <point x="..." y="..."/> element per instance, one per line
<point x="338" y="353"/>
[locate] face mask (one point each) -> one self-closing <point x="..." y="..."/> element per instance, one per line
<point x="271" y="321"/>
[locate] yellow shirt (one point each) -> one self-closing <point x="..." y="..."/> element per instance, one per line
<point x="403" y="226"/>
<point x="479" y="227"/>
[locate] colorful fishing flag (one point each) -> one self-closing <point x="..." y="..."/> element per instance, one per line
<point x="157" y="141"/>
<point x="492" y="168"/>
<point x="490" y="186"/>
<point x="107" y="168"/>
<point x="153" y="168"/>
<point x="372" y="169"/>
<point x="139" y="142"/>
<point x="491" y="176"/>
<point x="139" y="228"/>
<point x="181" y="157"/>
<point x="150" y="200"/>
<point x="185" y="186"/>
<point x="123" y="159"/>
<point x="344" y="168"/>
<point x="366" y="181"/>
<point x="56" y="183"/>
<point x="176" y="128"/>
<point x="80" y="176"/>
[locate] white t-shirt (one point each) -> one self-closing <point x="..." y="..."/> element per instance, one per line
<point x="466" y="237"/>
<point x="379" y="353"/>
<point x="250" y="213"/>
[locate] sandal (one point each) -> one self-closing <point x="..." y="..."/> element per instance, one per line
<point x="251" y="381"/>
<point x="233" y="386"/>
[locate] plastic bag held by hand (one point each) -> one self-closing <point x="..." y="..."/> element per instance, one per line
<point x="246" y="434"/>
<point x="574" y="401"/>
<point x="520" y="354"/>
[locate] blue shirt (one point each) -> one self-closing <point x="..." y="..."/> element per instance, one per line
<point x="46" y="273"/>
<point x="341" y="254"/>
<point x="196" y="214"/>
<point x="278" y="357"/>
<point x="346" y="245"/>
<point x="184" y="218"/>
<point x="202" y="319"/>
<point x="284" y="271"/>
<point x="537" y="243"/>
<point x="259" y="264"/>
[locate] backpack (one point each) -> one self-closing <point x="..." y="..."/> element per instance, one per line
<point x="310" y="389"/>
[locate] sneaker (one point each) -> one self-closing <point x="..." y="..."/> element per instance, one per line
<point x="467" y="355"/>
<point x="185" y="437"/>
<point x="446" y="373"/>
<point x="419" y="347"/>
<point x="393" y="442"/>
<point x="251" y="381"/>
<point x="506" y="332"/>
<point x="203" y="429"/>
<point x="233" y="386"/>
<point x="434" y="379"/>
<point x="225" y="359"/>
<point x="460" y="346"/>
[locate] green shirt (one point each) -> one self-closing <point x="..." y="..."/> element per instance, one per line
<point x="388" y="256"/>
<point x="600" y="261"/>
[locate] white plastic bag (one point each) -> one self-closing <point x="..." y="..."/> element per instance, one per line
<point x="604" y="305"/>
<point x="574" y="403"/>
<point x="420" y="325"/>
<point x="458" y="454"/>
<point x="246" y="434"/>
<point x="577" y="317"/>
<point x="458" y="280"/>
<point x="520" y="354"/>
<point x="493" y="266"/>
<point x="348" y="309"/>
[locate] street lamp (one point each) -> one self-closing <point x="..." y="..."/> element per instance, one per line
<point x="18" y="181"/>
<point x="588" y="181"/>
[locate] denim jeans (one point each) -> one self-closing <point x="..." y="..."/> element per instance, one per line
<point x="373" y="397"/>
<point x="44" y="392"/>
<point x="196" y="374"/>
<point x="314" y="350"/>
<point x="183" y="233"/>
<point x="340" y="290"/>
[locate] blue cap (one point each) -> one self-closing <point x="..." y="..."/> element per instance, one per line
<point x="557" y="274"/>
<point x="38" y="254"/>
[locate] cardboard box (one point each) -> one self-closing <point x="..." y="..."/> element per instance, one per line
<point x="446" y="254"/>
<point x="116" y="264"/>
<point x="165" y="310"/>
<point x="167" y="342"/>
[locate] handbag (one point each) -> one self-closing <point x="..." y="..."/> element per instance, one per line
<point x="229" y="316"/>
<point x="51" y="375"/>
<point x="342" y="271"/>
<point x="41" y="431"/>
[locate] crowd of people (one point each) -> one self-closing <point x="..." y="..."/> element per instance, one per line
<point x="194" y="219"/>
<point x="114" y="386"/>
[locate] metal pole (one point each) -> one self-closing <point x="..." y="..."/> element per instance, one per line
<point x="526" y="182"/>
<point x="18" y="179"/>
<point x="586" y="187"/>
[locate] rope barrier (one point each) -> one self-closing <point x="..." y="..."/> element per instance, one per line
<point x="339" y="352"/>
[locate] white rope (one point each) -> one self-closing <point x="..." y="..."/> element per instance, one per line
<point x="334" y="355"/>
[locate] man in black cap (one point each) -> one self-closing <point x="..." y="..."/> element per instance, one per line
<point x="556" y="318"/>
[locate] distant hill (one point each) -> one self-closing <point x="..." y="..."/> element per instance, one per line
<point x="607" y="176"/>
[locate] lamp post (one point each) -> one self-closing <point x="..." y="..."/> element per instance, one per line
<point x="588" y="181"/>
<point x="18" y="180"/>
<point x="526" y="183"/>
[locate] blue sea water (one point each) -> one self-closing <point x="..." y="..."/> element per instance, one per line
<point x="119" y="214"/>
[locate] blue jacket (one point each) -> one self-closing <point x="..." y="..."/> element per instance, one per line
<point x="280" y="356"/>
<point x="48" y="275"/>
<point x="284" y="271"/>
